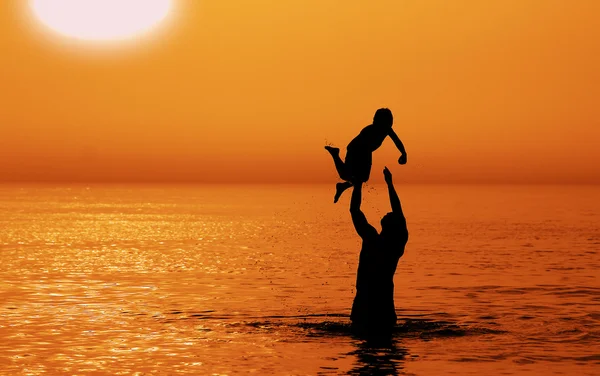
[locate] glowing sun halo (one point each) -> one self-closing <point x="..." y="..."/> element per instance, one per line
<point x="100" y="20"/>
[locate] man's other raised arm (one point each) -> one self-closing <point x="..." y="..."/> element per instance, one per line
<point x="394" y="199"/>
<point x="362" y="226"/>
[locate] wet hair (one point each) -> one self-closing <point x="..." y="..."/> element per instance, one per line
<point x="383" y="116"/>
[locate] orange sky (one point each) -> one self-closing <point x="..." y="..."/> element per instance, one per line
<point x="250" y="91"/>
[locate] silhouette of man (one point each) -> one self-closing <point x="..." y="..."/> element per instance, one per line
<point x="373" y="311"/>
<point x="359" y="153"/>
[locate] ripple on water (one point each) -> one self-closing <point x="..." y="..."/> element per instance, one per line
<point x="211" y="280"/>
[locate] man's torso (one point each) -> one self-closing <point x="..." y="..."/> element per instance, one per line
<point x="375" y="280"/>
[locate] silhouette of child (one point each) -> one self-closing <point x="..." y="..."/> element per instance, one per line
<point x="359" y="152"/>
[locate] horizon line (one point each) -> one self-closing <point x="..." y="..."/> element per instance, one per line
<point x="189" y="182"/>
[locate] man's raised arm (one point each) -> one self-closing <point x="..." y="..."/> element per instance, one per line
<point x="394" y="199"/>
<point x="362" y="226"/>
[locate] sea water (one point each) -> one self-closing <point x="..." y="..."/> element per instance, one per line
<point x="248" y="279"/>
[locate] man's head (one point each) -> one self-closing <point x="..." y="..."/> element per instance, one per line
<point x="383" y="117"/>
<point x="390" y="223"/>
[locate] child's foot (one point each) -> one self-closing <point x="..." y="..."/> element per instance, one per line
<point x="333" y="150"/>
<point x="339" y="189"/>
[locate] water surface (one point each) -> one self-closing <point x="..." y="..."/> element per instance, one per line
<point x="135" y="280"/>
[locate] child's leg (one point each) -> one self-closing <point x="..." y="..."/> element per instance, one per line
<point x="358" y="165"/>
<point x="340" y="166"/>
<point x="357" y="168"/>
<point x="339" y="189"/>
<point x="362" y="168"/>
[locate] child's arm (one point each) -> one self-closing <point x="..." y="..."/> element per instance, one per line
<point x="399" y="145"/>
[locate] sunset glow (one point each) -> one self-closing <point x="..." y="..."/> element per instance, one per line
<point x="239" y="91"/>
<point x="101" y="19"/>
<point x="217" y="187"/>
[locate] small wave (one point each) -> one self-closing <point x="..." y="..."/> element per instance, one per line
<point x="407" y="328"/>
<point x="594" y="358"/>
<point x="594" y="316"/>
<point x="331" y="324"/>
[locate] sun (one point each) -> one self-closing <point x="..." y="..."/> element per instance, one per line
<point x="101" y="20"/>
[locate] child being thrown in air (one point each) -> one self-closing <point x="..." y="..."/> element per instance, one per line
<point x="359" y="152"/>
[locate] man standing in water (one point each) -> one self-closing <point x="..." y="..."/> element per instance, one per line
<point x="373" y="312"/>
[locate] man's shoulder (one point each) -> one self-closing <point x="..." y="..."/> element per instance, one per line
<point x="402" y="235"/>
<point x="370" y="237"/>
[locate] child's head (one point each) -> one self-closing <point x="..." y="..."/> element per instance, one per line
<point x="383" y="117"/>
